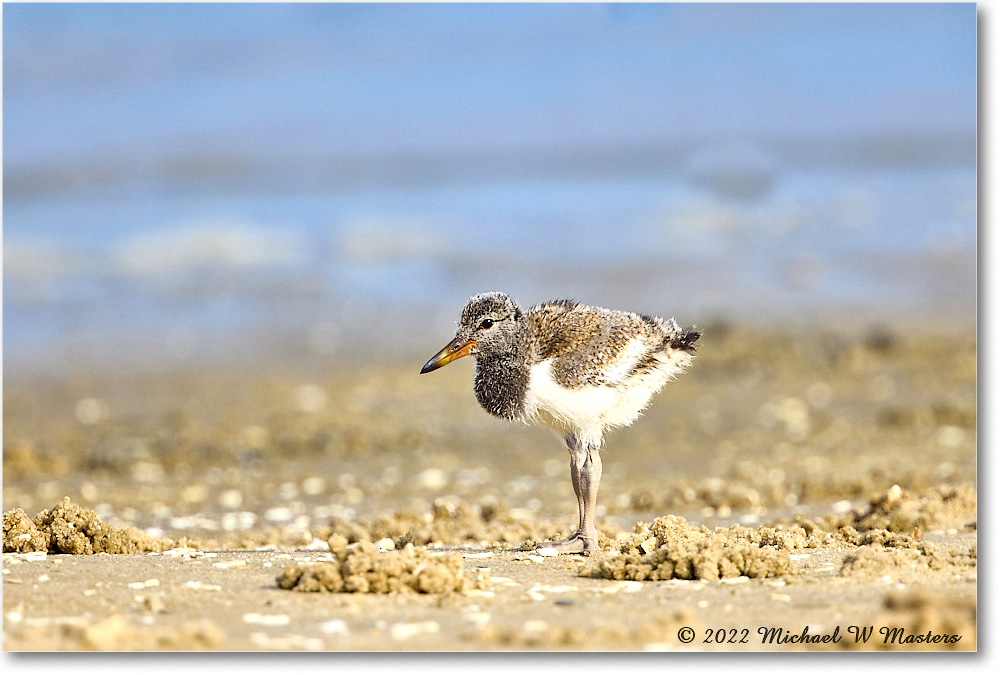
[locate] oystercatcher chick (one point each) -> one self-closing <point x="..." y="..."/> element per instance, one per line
<point x="578" y="369"/>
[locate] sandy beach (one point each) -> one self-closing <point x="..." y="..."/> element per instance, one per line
<point x="796" y="490"/>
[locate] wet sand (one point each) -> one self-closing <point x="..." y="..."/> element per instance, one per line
<point x="791" y="479"/>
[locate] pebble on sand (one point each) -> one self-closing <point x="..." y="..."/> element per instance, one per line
<point x="267" y="619"/>
<point x="405" y="631"/>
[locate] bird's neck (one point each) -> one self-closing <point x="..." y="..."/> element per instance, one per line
<point x="502" y="382"/>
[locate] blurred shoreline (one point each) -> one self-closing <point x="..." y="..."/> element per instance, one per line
<point x="322" y="346"/>
<point x="335" y="181"/>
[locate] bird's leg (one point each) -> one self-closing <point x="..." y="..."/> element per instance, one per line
<point x="585" y="473"/>
<point x="590" y="482"/>
<point x="576" y="458"/>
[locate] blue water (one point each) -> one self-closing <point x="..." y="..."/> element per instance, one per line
<point x="204" y="180"/>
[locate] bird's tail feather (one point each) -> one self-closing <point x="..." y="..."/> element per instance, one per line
<point x="684" y="340"/>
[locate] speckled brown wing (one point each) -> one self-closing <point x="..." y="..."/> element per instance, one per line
<point x="587" y="342"/>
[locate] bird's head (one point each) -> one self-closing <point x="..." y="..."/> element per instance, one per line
<point x="490" y="324"/>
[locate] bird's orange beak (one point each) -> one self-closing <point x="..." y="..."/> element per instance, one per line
<point x="455" y="349"/>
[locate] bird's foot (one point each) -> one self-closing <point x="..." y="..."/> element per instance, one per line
<point x="576" y="543"/>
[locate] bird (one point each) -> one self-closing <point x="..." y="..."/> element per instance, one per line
<point x="578" y="369"/>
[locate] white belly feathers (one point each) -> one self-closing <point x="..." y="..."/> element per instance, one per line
<point x="586" y="411"/>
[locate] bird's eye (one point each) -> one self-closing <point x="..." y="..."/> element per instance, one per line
<point x="487" y="323"/>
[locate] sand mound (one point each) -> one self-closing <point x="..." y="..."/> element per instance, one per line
<point x="887" y="532"/>
<point x="70" y="528"/>
<point x="451" y="522"/>
<point x="20" y="535"/>
<point x="363" y="569"/>
<point x="897" y="510"/>
<point x="908" y="564"/>
<point x="894" y="518"/>
<point x="670" y="548"/>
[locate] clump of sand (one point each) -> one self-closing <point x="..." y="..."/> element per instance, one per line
<point x="894" y="518"/>
<point x="775" y="482"/>
<point x="887" y="535"/>
<point x="908" y="564"/>
<point x="70" y="528"/>
<point x="670" y="548"/>
<point x="898" y="510"/>
<point x="363" y="569"/>
<point x="20" y="535"/>
<point x="451" y="522"/>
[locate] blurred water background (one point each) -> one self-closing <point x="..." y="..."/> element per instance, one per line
<point x="187" y="184"/>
